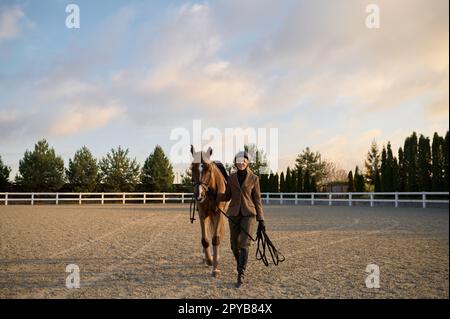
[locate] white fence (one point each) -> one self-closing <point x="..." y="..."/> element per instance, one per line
<point x="350" y="199"/>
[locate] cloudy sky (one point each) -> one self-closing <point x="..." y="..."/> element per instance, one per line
<point x="135" y="70"/>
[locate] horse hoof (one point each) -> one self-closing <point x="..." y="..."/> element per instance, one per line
<point x="216" y="273"/>
<point x="209" y="262"/>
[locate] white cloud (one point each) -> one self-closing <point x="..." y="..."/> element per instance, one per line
<point x="87" y="117"/>
<point x="10" y="23"/>
<point x="7" y="117"/>
<point x="369" y="135"/>
<point x="324" y="52"/>
<point x="438" y="107"/>
<point x="188" y="67"/>
<point x="63" y="89"/>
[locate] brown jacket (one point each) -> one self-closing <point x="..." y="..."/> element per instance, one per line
<point x="246" y="197"/>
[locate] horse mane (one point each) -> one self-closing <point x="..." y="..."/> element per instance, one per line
<point x="222" y="169"/>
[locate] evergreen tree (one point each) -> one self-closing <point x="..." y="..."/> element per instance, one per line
<point x="313" y="184"/>
<point x="401" y="180"/>
<point x="351" y="183"/>
<point x="83" y="173"/>
<point x="276" y="183"/>
<point x="157" y="172"/>
<point x="437" y="178"/>
<point x="395" y="176"/>
<point x="288" y="180"/>
<point x="307" y="182"/>
<point x="313" y="163"/>
<point x="119" y="173"/>
<point x="186" y="179"/>
<point x="410" y="163"/>
<point x="41" y="170"/>
<point x="384" y="170"/>
<point x="271" y="184"/>
<point x="4" y="176"/>
<point x="259" y="163"/>
<point x="390" y="168"/>
<point x="264" y="183"/>
<point x="293" y="186"/>
<point x="299" y="181"/>
<point x="445" y="163"/>
<point x="424" y="164"/>
<point x="359" y="181"/>
<point x="377" y="181"/>
<point x="372" y="164"/>
<point x="282" y="183"/>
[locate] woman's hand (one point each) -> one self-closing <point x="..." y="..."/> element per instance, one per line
<point x="261" y="226"/>
<point x="212" y="193"/>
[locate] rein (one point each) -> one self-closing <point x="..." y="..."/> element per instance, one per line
<point x="264" y="243"/>
<point x="192" y="211"/>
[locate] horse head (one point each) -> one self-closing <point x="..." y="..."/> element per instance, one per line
<point x="203" y="176"/>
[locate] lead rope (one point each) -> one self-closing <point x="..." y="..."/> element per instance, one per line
<point x="263" y="243"/>
<point x="192" y="211"/>
<point x="264" y="240"/>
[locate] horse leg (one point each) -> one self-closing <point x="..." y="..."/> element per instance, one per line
<point x="216" y="242"/>
<point x="205" y="242"/>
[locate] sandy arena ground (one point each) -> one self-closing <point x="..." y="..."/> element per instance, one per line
<point x="152" y="251"/>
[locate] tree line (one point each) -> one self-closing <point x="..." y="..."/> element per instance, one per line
<point x="42" y="170"/>
<point x="420" y="165"/>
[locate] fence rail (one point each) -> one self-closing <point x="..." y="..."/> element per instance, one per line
<point x="422" y="198"/>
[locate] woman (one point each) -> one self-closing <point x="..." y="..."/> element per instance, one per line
<point x="244" y="210"/>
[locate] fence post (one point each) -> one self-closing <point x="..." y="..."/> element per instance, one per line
<point x="349" y="199"/>
<point x="371" y="199"/>
<point x="396" y="199"/>
<point x="424" y="200"/>
<point x="281" y="198"/>
<point x="145" y="198"/>
<point x="164" y="198"/>
<point x="32" y="198"/>
<point x="312" y="199"/>
<point x="123" y="198"/>
<point x="103" y="198"/>
<point x="57" y="198"/>
<point x="329" y="199"/>
<point x="182" y="198"/>
<point x="296" y="201"/>
<point x="79" y="198"/>
<point x="6" y="199"/>
<point x="267" y="198"/>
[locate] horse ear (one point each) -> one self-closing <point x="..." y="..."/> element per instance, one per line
<point x="209" y="151"/>
<point x="192" y="149"/>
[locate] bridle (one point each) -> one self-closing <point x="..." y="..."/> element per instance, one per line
<point x="194" y="202"/>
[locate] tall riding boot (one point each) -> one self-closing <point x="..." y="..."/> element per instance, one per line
<point x="236" y="256"/>
<point x="243" y="258"/>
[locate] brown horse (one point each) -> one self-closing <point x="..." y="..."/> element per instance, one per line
<point x="206" y="175"/>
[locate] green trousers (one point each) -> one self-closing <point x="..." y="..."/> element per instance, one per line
<point x="238" y="238"/>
